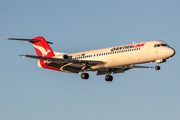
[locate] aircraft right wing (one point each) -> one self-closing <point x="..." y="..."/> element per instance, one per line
<point x="120" y="69"/>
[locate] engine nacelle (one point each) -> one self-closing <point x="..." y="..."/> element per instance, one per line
<point x="65" y="56"/>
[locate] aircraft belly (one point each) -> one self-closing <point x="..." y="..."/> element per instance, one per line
<point x="116" y="61"/>
<point x="126" y="59"/>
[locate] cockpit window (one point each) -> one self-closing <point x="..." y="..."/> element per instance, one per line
<point x="158" y="45"/>
<point x="163" y="44"/>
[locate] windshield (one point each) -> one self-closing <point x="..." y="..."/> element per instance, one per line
<point x="157" y="45"/>
<point x="162" y="44"/>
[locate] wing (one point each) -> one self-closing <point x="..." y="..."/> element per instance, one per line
<point x="120" y="69"/>
<point x="67" y="65"/>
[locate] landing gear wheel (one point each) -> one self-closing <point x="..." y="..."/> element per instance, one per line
<point x="84" y="75"/>
<point x="108" y="78"/>
<point x="157" y="67"/>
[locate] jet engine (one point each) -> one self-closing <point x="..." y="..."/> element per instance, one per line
<point x="65" y="56"/>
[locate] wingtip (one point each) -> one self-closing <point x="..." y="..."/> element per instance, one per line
<point x="23" y="55"/>
<point x="49" y="42"/>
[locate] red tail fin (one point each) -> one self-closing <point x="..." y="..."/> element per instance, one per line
<point x="42" y="48"/>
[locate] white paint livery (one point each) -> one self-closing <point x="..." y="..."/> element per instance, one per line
<point x="117" y="59"/>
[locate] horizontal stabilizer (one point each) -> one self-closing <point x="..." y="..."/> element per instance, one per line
<point x="29" y="40"/>
<point x="60" y="60"/>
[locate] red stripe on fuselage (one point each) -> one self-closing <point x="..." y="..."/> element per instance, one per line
<point x="138" y="45"/>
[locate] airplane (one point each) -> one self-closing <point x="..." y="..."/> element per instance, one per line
<point x="105" y="61"/>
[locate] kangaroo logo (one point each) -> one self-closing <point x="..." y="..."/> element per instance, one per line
<point x="42" y="50"/>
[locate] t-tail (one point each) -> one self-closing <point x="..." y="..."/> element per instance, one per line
<point x="41" y="46"/>
<point x="42" y="49"/>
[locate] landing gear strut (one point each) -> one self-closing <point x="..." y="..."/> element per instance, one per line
<point x="85" y="76"/>
<point x="109" y="78"/>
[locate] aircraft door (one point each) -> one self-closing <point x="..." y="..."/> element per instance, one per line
<point x="147" y="50"/>
<point x="156" y="50"/>
<point x="157" y="54"/>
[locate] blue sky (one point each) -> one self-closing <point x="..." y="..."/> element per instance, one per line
<point x="28" y="92"/>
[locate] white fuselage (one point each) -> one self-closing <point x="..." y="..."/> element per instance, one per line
<point x="117" y="59"/>
<point x="129" y="54"/>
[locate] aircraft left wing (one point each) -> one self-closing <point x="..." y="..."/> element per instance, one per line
<point x="120" y="69"/>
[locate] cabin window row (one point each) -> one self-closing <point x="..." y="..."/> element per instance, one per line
<point x="107" y="53"/>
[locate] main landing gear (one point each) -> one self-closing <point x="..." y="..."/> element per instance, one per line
<point x="85" y="76"/>
<point x="109" y="78"/>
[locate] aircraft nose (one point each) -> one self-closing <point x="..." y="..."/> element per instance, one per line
<point x="172" y="52"/>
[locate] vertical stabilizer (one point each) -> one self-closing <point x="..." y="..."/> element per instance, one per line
<point x="42" y="48"/>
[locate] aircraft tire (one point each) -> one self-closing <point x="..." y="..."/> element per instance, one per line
<point x="84" y="75"/>
<point x="109" y="78"/>
<point x="157" y="67"/>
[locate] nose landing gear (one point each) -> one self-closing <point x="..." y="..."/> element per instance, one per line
<point x="157" y="67"/>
